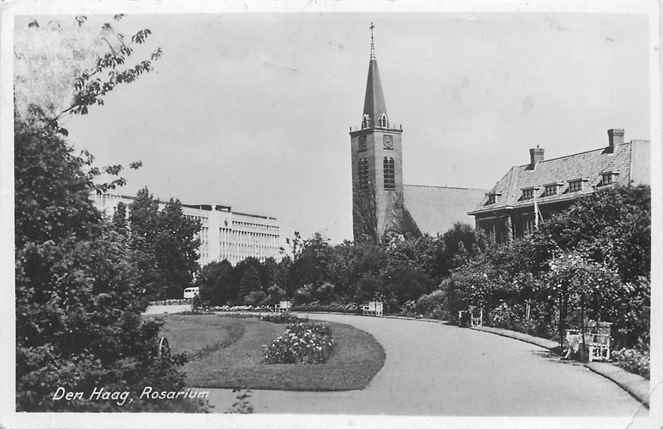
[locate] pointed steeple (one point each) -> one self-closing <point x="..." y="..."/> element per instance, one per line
<point x="375" y="109"/>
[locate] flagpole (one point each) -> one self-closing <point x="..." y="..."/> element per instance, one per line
<point x="536" y="211"/>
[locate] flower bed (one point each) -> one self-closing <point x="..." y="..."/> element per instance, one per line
<point x="280" y="318"/>
<point x="301" y="343"/>
<point x="632" y="360"/>
<point x="351" y="308"/>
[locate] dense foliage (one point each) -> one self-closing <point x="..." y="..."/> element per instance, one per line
<point x="635" y="359"/>
<point x="79" y="286"/>
<point x="165" y="245"/>
<point x="320" y="277"/>
<point x="591" y="262"/>
<point x="78" y="296"/>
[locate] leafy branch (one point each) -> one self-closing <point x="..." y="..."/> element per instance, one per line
<point x="92" y="84"/>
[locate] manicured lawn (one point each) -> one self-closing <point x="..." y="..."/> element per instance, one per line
<point x="356" y="357"/>
<point x="200" y="335"/>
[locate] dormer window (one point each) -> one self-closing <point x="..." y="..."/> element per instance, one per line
<point x="364" y="121"/>
<point x="382" y="122"/>
<point x="608" y="178"/>
<point x="551" y="189"/>
<point x="528" y="193"/>
<point x="492" y="197"/>
<point x="575" y="185"/>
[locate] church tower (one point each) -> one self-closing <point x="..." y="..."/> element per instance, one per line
<point x="377" y="165"/>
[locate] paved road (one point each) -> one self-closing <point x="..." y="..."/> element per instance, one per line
<point x="434" y="369"/>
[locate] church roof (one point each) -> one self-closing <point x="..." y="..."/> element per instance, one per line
<point x="435" y="209"/>
<point x="374" y="105"/>
<point x="629" y="162"/>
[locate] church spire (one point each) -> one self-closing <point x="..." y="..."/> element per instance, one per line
<point x="375" y="109"/>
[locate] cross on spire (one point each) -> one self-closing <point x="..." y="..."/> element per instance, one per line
<point x="375" y="111"/>
<point x="372" y="57"/>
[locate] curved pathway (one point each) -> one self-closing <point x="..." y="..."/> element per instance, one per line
<point x="436" y="369"/>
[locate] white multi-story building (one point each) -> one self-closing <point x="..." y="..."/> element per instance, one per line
<point x="224" y="234"/>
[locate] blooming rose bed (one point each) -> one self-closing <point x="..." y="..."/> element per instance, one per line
<point x="301" y="343"/>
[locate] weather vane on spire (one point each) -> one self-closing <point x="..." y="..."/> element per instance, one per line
<point x="372" y="26"/>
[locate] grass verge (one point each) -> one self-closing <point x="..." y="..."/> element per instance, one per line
<point x="199" y="336"/>
<point x="354" y="361"/>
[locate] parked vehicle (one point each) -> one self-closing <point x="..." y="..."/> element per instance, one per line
<point x="190" y="292"/>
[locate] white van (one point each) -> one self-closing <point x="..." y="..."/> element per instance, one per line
<point x="190" y="292"/>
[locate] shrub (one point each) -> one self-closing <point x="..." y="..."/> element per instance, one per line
<point x="633" y="360"/>
<point x="432" y="305"/>
<point x="254" y="297"/>
<point x="301" y="343"/>
<point x="351" y="308"/>
<point x="325" y="292"/>
<point x="304" y="293"/>
<point x="504" y="316"/>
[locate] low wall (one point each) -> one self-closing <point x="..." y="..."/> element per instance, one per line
<point x="170" y="308"/>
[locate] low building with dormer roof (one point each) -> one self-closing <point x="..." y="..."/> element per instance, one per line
<point x="530" y="193"/>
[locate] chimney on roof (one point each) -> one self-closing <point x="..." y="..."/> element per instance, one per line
<point x="535" y="156"/>
<point x="615" y="137"/>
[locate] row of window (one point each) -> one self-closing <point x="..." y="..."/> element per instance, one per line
<point x="497" y="230"/>
<point x="241" y="233"/>
<point x="201" y="219"/>
<point x="253" y="225"/>
<point x="551" y="189"/>
<point x="389" y="173"/>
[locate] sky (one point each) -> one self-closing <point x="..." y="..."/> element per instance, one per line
<point x="253" y="110"/>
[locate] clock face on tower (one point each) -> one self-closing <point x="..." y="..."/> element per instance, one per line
<point x="388" y="142"/>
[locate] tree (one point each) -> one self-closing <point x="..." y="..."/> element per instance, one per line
<point x="325" y="293"/>
<point x="311" y="265"/>
<point x="143" y="213"/>
<point x="78" y="304"/>
<point x="119" y="220"/>
<point x="275" y="294"/>
<point x="216" y="283"/>
<point x="66" y="67"/>
<point x="269" y="270"/>
<point x="249" y="282"/>
<point x="78" y="322"/>
<point x="613" y="225"/>
<point x="454" y="248"/>
<point x="52" y="192"/>
<point x="166" y="244"/>
<point x="255" y="297"/>
<point x="176" y="249"/>
<point x="588" y="290"/>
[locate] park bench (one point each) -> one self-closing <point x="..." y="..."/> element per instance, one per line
<point x="597" y="341"/>
<point x="283" y="307"/>
<point x="373" y="308"/>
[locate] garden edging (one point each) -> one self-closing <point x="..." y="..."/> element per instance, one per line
<point x="636" y="385"/>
